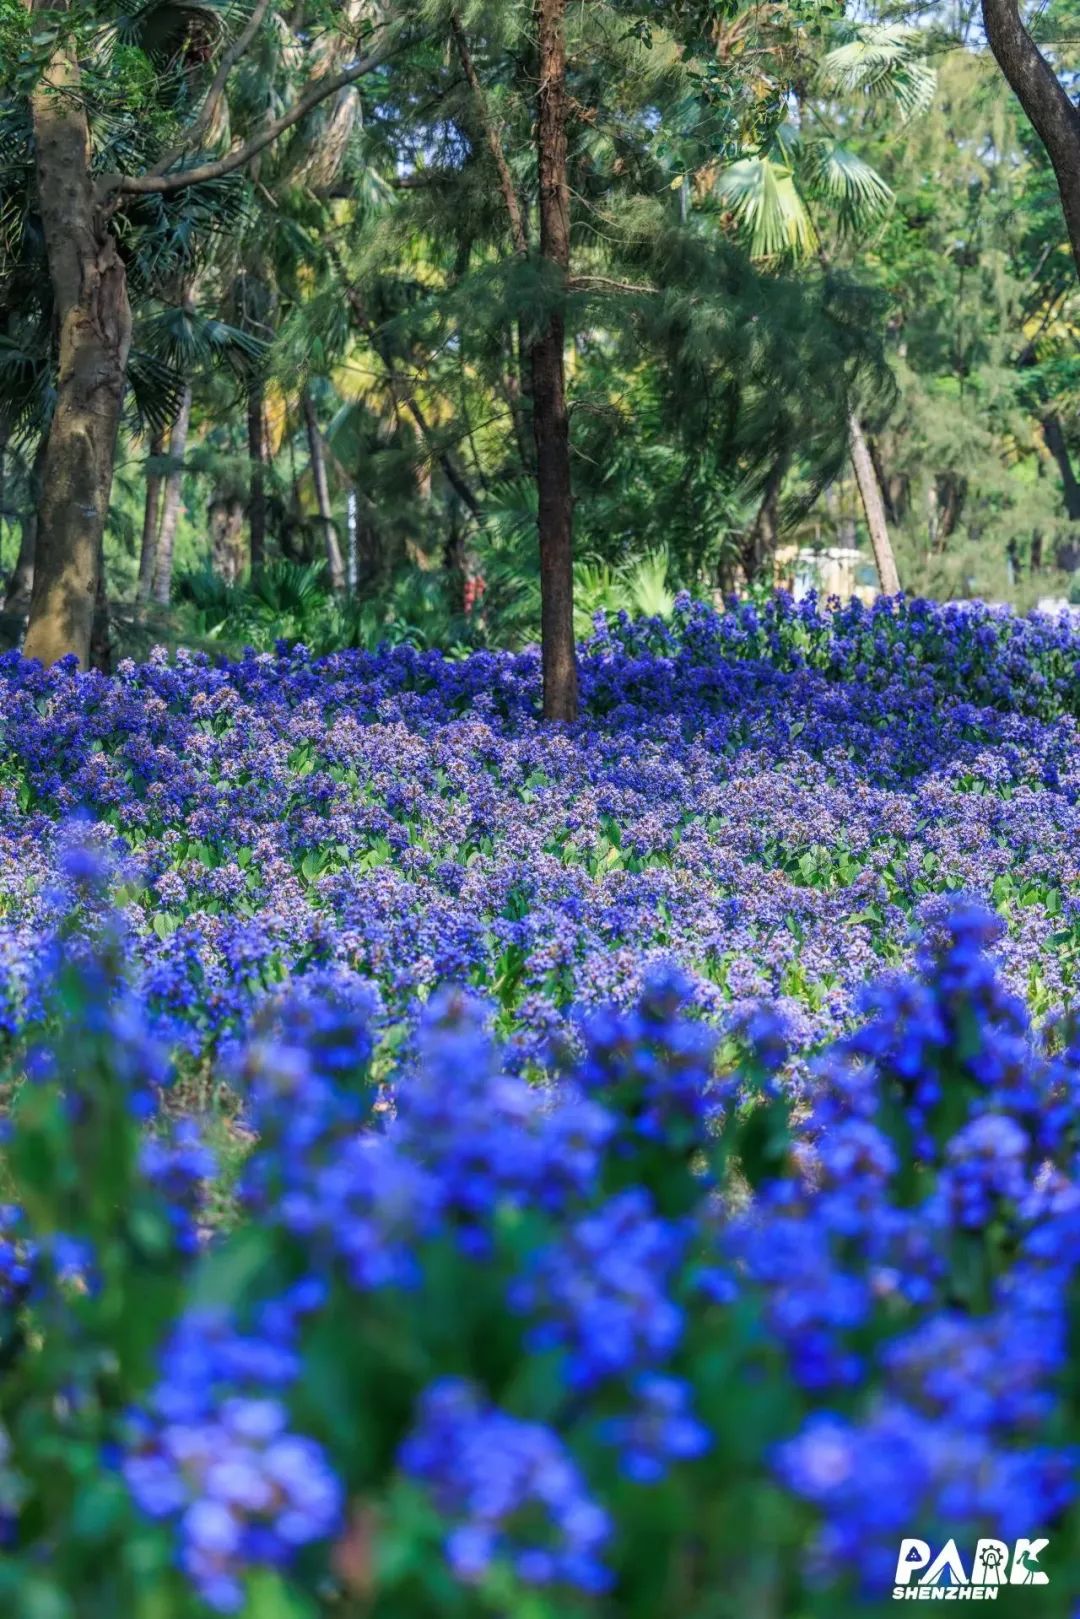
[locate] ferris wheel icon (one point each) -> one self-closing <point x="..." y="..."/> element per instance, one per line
<point x="992" y="1558"/>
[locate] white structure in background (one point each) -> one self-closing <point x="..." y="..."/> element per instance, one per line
<point x="1054" y="606"/>
<point x="835" y="570"/>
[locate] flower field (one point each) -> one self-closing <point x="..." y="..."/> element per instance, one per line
<point x="455" y="1166"/>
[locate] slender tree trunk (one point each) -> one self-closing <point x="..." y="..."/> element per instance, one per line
<point x="227" y="537"/>
<point x="94" y="327"/>
<point x="334" y="566"/>
<point x="5" y="436"/>
<point x="884" y="482"/>
<point x="551" y="422"/>
<point x="1068" y="548"/>
<point x="1036" y="86"/>
<point x="151" y="523"/>
<point x="21" y="583"/>
<point x="1054" y="436"/>
<point x="354" y="556"/>
<point x="933" y="520"/>
<point x="101" y="651"/>
<point x="874" y="507"/>
<point x="170" y="508"/>
<point x="256" y="424"/>
<point x="764" y="536"/>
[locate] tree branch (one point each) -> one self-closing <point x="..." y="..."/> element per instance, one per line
<point x="518" y="232"/>
<point x="1038" y="90"/>
<point x="212" y="100"/>
<point x="111" y="186"/>
<point x="603" y="283"/>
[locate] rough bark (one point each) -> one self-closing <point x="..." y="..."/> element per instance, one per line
<point x="170" y="508"/>
<point x="21" y="583"/>
<point x="551" y="422"/>
<point x="94" y="330"/>
<point x="256" y="426"/>
<point x="874" y="507"/>
<point x="151" y="523"/>
<point x="1051" y="112"/>
<point x="334" y="566"/>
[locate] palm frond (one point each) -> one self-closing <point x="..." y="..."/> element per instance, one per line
<point x="27" y="394"/>
<point x="850" y="185"/>
<point x="155" y="388"/>
<point x="764" y="199"/>
<point x="188" y="341"/>
<point x="884" y="60"/>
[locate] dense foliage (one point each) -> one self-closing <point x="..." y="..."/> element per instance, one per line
<point x="331" y="345"/>
<point x="458" y="1166"/>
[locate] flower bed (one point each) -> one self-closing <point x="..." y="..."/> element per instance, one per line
<point x="644" y="1169"/>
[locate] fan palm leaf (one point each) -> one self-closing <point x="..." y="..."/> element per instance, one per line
<point x="851" y="187"/>
<point x="764" y="199"/>
<point x="884" y="60"/>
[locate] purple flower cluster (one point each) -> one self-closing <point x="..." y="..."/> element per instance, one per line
<point x="510" y="1490"/>
<point x="216" y="1453"/>
<point x="600" y="1294"/>
<point x="764" y="798"/>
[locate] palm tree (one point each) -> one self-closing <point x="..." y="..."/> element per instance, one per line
<point x="100" y="168"/>
<point x="778" y="195"/>
<point x="186" y="344"/>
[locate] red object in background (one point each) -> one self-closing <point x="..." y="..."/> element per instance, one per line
<point x="474" y="589"/>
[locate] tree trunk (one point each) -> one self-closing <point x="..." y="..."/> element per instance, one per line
<point x="151" y="523"/>
<point x="764" y="536"/>
<point x="1054" y="436"/>
<point x="256" y="424"/>
<point x="885" y="483"/>
<point x="874" y="507"/>
<point x="354" y="554"/>
<point x="21" y="584"/>
<point x="227" y="538"/>
<point x="5" y="436"/>
<point x="1053" y="116"/>
<point x="101" y="630"/>
<point x="551" y="422"/>
<point x="170" y="509"/>
<point x="1067" y="551"/>
<point x="93" y="320"/>
<point x="951" y="495"/>
<point x="334" y="566"/>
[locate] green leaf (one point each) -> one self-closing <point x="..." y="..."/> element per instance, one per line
<point x="764" y="199"/>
